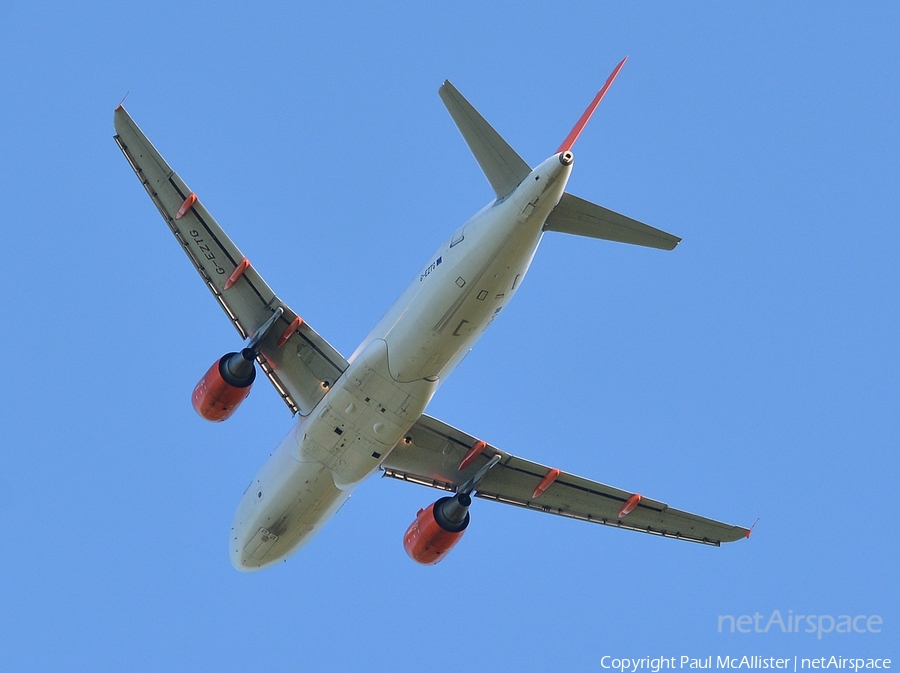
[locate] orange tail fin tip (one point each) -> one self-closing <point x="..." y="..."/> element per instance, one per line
<point x="586" y="116"/>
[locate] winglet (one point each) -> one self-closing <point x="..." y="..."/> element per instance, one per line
<point x="582" y="122"/>
<point x="750" y="530"/>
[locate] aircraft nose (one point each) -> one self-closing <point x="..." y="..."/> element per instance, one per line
<point x="239" y="558"/>
<point x="248" y="552"/>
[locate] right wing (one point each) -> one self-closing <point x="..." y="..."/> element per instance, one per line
<point x="574" y="215"/>
<point x="299" y="363"/>
<point x="435" y="451"/>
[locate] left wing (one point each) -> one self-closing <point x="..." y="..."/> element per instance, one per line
<point x="435" y="451"/>
<point x="299" y="363"/>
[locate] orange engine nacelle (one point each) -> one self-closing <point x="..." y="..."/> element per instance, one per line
<point x="225" y="386"/>
<point x="437" y="529"/>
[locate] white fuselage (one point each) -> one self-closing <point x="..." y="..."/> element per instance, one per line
<point x="394" y="373"/>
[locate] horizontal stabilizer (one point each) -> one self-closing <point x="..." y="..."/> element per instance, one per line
<point x="503" y="168"/>
<point x="574" y="215"/>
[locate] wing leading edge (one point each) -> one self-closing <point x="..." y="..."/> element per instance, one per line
<point x="299" y="363"/>
<point x="433" y="456"/>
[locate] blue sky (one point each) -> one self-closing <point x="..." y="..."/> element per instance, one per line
<point x="752" y="372"/>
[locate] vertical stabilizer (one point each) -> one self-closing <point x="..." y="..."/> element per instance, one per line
<point x="586" y="116"/>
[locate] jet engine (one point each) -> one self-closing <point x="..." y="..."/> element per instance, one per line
<point x="227" y="383"/>
<point x="437" y="529"/>
<point x="439" y="526"/>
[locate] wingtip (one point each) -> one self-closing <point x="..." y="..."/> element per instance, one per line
<point x="750" y="530"/>
<point x="668" y="242"/>
<point x="120" y="117"/>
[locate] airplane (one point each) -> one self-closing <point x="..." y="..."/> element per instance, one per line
<point x="365" y="413"/>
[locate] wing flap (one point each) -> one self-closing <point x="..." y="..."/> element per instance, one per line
<point x="436" y="450"/>
<point x="574" y="215"/>
<point x="304" y="365"/>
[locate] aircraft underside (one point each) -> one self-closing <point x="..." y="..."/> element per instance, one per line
<point x="363" y="414"/>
